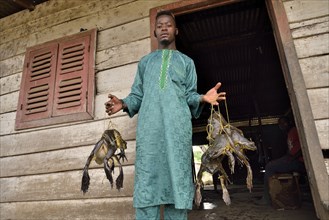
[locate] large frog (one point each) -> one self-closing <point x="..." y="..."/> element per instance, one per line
<point x="104" y="152"/>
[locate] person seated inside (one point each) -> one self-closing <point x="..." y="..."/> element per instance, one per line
<point x="290" y="162"/>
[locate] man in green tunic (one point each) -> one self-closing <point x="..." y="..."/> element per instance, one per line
<point x="164" y="94"/>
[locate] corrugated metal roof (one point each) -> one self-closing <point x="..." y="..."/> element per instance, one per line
<point x="9" y="7"/>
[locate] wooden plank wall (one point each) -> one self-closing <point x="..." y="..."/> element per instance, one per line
<point x="308" y="21"/>
<point x="41" y="168"/>
<point x="309" y="24"/>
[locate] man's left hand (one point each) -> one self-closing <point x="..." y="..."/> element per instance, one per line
<point x="213" y="97"/>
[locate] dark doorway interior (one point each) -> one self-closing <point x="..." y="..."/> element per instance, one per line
<point x="234" y="44"/>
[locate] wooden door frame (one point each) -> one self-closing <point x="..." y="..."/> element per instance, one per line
<point x="300" y="103"/>
<point x="311" y="148"/>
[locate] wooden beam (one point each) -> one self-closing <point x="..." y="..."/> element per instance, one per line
<point x="25" y="4"/>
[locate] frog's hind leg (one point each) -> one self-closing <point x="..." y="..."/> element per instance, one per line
<point x="249" y="178"/>
<point x="199" y="186"/>
<point x="119" y="180"/>
<point x="226" y="195"/>
<point x="108" y="170"/>
<point x="85" y="176"/>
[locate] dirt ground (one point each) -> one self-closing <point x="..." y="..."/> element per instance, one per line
<point x="243" y="206"/>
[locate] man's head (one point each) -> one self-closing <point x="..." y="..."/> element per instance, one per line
<point x="284" y="123"/>
<point x="165" y="28"/>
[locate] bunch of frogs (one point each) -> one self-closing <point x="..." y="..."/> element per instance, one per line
<point x="224" y="140"/>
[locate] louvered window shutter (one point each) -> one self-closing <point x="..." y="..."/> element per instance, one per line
<point x="58" y="82"/>
<point x="72" y="77"/>
<point x="37" y="87"/>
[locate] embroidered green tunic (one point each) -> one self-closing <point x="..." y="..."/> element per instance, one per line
<point x="164" y="94"/>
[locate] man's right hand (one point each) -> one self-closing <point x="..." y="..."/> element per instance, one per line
<point x="113" y="105"/>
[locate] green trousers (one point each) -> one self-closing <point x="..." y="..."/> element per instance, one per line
<point x="153" y="213"/>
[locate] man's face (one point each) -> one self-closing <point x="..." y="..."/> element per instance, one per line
<point x="165" y="29"/>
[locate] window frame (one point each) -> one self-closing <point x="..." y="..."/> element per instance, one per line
<point x="88" y="85"/>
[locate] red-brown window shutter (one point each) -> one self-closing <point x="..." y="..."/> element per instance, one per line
<point x="37" y="87"/>
<point x="58" y="82"/>
<point x="72" y="77"/>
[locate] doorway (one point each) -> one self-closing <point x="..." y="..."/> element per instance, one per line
<point x="234" y="44"/>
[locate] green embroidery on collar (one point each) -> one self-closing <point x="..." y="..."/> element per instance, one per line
<point x="166" y="56"/>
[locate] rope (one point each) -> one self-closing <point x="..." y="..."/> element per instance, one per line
<point x="220" y="121"/>
<point x="228" y="119"/>
<point x="210" y="127"/>
<point x="110" y="125"/>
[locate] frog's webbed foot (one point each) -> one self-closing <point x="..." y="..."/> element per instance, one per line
<point x="199" y="186"/>
<point x="85" y="181"/>
<point x="122" y="156"/>
<point x="108" y="170"/>
<point x="226" y="195"/>
<point x="85" y="176"/>
<point x="119" y="180"/>
<point x="198" y="195"/>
